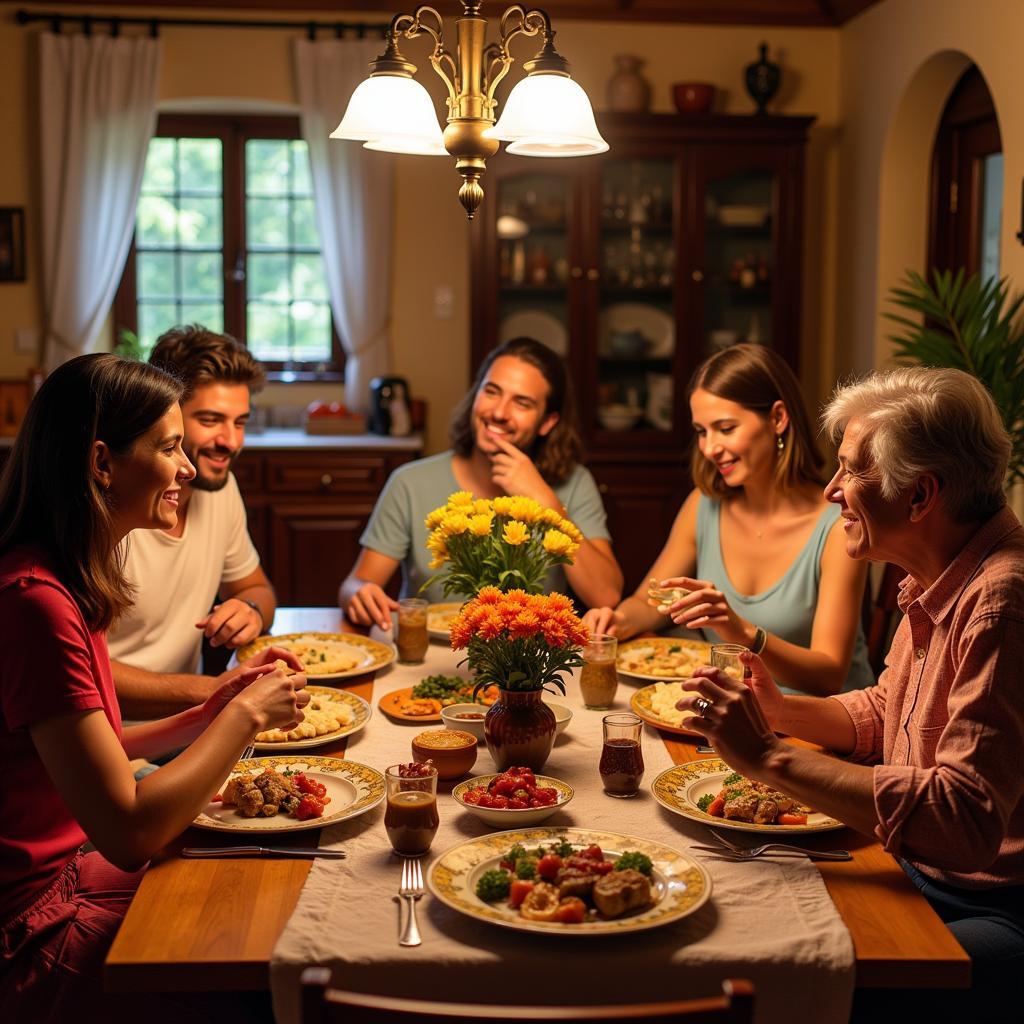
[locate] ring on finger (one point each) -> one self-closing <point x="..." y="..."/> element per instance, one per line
<point x="701" y="704"/>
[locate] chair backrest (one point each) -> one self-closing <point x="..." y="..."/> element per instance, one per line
<point x="883" y="616"/>
<point x="323" y="1005"/>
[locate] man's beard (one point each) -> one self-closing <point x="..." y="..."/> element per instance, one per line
<point x="200" y="482"/>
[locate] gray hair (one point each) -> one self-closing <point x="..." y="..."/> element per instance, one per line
<point x="926" y="420"/>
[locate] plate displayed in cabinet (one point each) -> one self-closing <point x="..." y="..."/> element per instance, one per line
<point x="533" y="323"/>
<point x="626" y="318"/>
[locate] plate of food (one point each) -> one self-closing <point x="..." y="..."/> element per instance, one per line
<point x="329" y="715"/>
<point x="712" y="793"/>
<point x="661" y="657"/>
<point x="328" y="655"/>
<point x="584" y="881"/>
<point x="423" y="702"/>
<point x="656" y="704"/>
<point x="291" y="793"/>
<point x="439" y="619"/>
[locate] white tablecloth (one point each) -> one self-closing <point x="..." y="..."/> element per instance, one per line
<point x="768" y="920"/>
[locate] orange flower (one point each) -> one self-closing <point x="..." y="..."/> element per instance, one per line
<point x="491" y="627"/>
<point x="526" y="623"/>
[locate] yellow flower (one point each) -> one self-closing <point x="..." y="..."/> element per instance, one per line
<point x="436" y="518"/>
<point x="459" y="500"/>
<point x="480" y="525"/>
<point x="436" y="563"/>
<point x="482" y="507"/>
<point x="549" y="517"/>
<point x="455" y="523"/>
<point x="502" y="505"/>
<point x="525" y="509"/>
<point x="516" y="533"/>
<point x="557" y="543"/>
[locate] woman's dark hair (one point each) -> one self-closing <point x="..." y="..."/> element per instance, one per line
<point x="561" y="448"/>
<point x="48" y="493"/>
<point x="756" y="378"/>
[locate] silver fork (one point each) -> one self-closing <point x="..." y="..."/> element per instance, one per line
<point x="746" y="852"/>
<point x="410" y="891"/>
<point x="248" y="752"/>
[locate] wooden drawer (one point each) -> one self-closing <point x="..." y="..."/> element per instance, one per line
<point x="327" y="474"/>
<point x="248" y="470"/>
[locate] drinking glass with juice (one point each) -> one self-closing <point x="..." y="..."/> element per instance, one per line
<point x="410" y="817"/>
<point x="598" y="678"/>
<point x="622" y="761"/>
<point x="412" y="639"/>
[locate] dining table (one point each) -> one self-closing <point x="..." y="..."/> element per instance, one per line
<point x="195" y="925"/>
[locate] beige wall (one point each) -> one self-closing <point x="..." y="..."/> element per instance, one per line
<point x="251" y="69"/>
<point x="899" y="61"/>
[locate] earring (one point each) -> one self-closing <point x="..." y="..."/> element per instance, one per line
<point x="779" y="443"/>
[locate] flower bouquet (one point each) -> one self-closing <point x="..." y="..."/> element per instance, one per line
<point x="523" y="643"/>
<point x="509" y="542"/>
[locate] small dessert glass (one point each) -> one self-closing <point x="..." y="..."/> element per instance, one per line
<point x="412" y="639"/>
<point x="598" y="677"/>
<point x="410" y="816"/>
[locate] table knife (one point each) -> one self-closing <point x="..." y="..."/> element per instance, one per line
<point x="260" y="851"/>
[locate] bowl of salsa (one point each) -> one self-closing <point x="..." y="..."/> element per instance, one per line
<point x="465" y="718"/>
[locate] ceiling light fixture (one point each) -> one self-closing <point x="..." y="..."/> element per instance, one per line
<point x="546" y="114"/>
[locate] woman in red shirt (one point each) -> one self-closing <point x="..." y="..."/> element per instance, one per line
<point x="99" y="455"/>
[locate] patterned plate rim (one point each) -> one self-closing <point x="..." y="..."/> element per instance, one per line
<point x="441" y="880"/>
<point x="665" y="788"/>
<point x="647" y="714"/>
<point x="657" y="641"/>
<point x="330" y="765"/>
<point x="382" y="655"/>
<point x="440" y="634"/>
<point x="364" y="711"/>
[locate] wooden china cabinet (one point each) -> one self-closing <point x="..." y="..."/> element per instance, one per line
<point x="683" y="239"/>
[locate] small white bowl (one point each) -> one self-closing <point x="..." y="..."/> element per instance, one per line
<point x="618" y="417"/>
<point x="473" y="725"/>
<point x="522" y="817"/>
<point x="562" y="717"/>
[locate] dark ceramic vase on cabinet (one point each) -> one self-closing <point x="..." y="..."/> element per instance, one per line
<point x="519" y="730"/>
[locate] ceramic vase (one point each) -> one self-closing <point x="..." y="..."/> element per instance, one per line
<point x="519" y="729"/>
<point x="628" y="91"/>
<point x="762" y="79"/>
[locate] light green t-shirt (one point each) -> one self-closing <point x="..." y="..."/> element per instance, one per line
<point x="413" y="491"/>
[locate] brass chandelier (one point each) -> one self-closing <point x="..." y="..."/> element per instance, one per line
<point x="546" y="114"/>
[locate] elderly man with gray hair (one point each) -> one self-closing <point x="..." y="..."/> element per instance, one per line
<point x="934" y="753"/>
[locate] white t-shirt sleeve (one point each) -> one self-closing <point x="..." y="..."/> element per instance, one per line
<point x="240" y="554"/>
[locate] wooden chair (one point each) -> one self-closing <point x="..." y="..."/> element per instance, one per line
<point x="323" y="1005"/>
<point x="883" y="616"/>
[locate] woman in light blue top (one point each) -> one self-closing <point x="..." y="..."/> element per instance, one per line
<point x="756" y="545"/>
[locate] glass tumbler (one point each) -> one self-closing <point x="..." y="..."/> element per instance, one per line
<point x="727" y="658"/>
<point x="598" y="678"/>
<point x="410" y="817"/>
<point x="412" y="639"/>
<point x="622" y="761"/>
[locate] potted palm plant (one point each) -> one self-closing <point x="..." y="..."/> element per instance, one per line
<point x="971" y="324"/>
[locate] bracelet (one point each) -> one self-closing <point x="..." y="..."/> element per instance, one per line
<point x="255" y="607"/>
<point x="760" y="639"/>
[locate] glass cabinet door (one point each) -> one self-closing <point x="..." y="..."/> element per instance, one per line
<point x="636" y="325"/>
<point x="739" y="252"/>
<point x="533" y="258"/>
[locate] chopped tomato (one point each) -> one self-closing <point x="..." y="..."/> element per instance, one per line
<point x="548" y="866"/>
<point x="515" y="804"/>
<point x="602" y="867"/>
<point x="304" y="784"/>
<point x="593" y="852"/>
<point x="518" y="892"/>
<point x="309" y="807"/>
<point x="571" y="911"/>
<point x="792" y="819"/>
<point x="498" y="801"/>
<point x="473" y="796"/>
<point x="717" y="807"/>
<point x="502" y="785"/>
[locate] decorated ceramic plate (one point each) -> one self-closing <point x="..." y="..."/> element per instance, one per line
<point x="535" y="323"/>
<point x="655" y="704"/>
<point x="661" y="657"/>
<point x="392" y="703"/>
<point x="439" y="618"/>
<point x="654" y="324"/>
<point x="680" y="884"/>
<point x="328" y="655"/>
<point x="353" y="788"/>
<point x="348" y="712"/>
<point x="679" y="789"/>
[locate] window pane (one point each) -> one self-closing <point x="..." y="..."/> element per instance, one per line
<point x="201" y="276"/>
<point x="267" y="221"/>
<point x="302" y="179"/>
<point x="199" y="167"/>
<point x="268" y="168"/>
<point x="199" y="222"/>
<point x="268" y="276"/>
<point x="156" y="222"/>
<point x="304" y="235"/>
<point x="308" y="278"/>
<point x="155" y="275"/>
<point x="207" y="314"/>
<point x="267" y="331"/>
<point x="154" y="319"/>
<point x="159" y="173"/>
<point x="312" y="325"/>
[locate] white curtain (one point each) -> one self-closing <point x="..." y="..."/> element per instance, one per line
<point x="353" y="192"/>
<point x="98" y="101"/>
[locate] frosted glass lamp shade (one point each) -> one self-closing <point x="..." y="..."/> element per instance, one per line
<point x="391" y="111"/>
<point x="548" y="115"/>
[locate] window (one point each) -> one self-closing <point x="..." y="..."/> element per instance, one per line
<point x="226" y="236"/>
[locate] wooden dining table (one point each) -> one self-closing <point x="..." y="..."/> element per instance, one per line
<point x="210" y="925"/>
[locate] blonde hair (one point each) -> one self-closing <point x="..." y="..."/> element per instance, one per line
<point x="922" y="419"/>
<point x="756" y="378"/>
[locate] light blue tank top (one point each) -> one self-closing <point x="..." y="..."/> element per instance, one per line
<point x="786" y="609"/>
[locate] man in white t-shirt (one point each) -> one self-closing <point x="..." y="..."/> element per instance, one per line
<point x="207" y="560"/>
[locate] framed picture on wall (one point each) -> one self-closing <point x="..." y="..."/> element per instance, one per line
<point x="12" y="243"/>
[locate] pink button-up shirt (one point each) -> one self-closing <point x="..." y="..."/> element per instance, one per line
<point x="944" y="727"/>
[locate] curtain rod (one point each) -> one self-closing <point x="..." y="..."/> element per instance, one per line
<point x="87" y="21"/>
